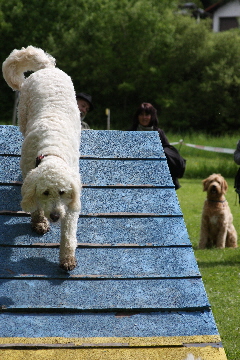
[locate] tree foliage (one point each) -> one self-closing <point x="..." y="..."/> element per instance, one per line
<point x="129" y="51"/>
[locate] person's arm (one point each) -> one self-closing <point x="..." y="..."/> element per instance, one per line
<point x="163" y="138"/>
<point x="236" y="155"/>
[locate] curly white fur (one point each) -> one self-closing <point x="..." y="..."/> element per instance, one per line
<point x="49" y="120"/>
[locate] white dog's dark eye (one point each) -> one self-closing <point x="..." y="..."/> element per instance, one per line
<point x="46" y="193"/>
<point x="61" y="192"/>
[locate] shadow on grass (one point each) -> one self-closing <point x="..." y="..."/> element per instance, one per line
<point x="212" y="264"/>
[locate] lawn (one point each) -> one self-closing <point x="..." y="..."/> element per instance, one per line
<point x="201" y="163"/>
<point x="220" y="269"/>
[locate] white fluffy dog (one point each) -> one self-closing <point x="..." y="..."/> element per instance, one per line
<point x="49" y="120"/>
<point x="217" y="227"/>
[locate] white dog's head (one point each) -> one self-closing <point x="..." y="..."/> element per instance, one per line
<point x="51" y="190"/>
<point x="215" y="185"/>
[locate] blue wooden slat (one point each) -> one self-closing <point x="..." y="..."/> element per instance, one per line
<point x="125" y="144"/>
<point x="10" y="198"/>
<point x="107" y="200"/>
<point x="131" y="172"/>
<point x="98" y="143"/>
<point x="10" y="140"/>
<point x="103" y="172"/>
<point x="112" y="231"/>
<point x="100" y="262"/>
<point x="103" y="294"/>
<point x="107" y="324"/>
<point x="10" y="169"/>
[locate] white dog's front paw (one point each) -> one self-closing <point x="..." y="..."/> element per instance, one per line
<point x="39" y="222"/>
<point x="68" y="263"/>
<point x="41" y="227"/>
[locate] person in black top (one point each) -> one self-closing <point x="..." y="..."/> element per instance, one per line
<point x="145" y="119"/>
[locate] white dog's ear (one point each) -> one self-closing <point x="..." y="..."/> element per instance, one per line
<point x="75" y="203"/>
<point x="28" y="191"/>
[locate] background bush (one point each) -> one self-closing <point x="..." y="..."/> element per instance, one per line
<point x="130" y="51"/>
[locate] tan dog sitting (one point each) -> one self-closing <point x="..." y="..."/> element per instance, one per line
<point x="217" y="228"/>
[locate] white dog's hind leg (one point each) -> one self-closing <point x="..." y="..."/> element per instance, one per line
<point x="39" y="222"/>
<point x="68" y="241"/>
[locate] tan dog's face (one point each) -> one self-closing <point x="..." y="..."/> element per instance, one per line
<point x="215" y="185"/>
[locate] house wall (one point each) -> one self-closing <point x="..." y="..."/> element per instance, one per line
<point x="229" y="10"/>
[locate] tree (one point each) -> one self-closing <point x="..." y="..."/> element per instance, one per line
<point x="202" y="79"/>
<point x="28" y="22"/>
<point x="102" y="44"/>
<point x="130" y="51"/>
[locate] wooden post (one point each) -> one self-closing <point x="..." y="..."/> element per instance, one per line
<point x="108" y="118"/>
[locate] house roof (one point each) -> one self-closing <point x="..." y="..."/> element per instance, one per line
<point x="214" y="7"/>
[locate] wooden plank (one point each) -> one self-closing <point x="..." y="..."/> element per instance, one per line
<point x="98" y="143"/>
<point x="10" y="169"/>
<point x="144" y="294"/>
<point x="108" y="324"/>
<point x="118" y="342"/>
<point x="111" y="342"/>
<point x="107" y="200"/>
<point x="97" y="231"/>
<point x="10" y="140"/>
<point x="103" y="172"/>
<point x="106" y="353"/>
<point x="100" y="262"/>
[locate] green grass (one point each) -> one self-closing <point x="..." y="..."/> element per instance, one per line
<point x="220" y="269"/>
<point x="201" y="163"/>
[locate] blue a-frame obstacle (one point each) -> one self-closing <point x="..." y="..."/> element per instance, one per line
<point x="136" y="292"/>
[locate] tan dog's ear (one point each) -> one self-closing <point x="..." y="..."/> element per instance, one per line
<point x="224" y="186"/>
<point x="205" y="184"/>
<point x="28" y="191"/>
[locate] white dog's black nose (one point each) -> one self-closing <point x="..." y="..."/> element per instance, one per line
<point x="54" y="217"/>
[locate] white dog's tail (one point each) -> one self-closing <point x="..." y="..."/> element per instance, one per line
<point x="26" y="59"/>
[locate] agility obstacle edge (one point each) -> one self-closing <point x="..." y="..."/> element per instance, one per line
<point x="136" y="293"/>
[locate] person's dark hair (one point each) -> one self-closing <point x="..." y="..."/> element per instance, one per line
<point x="148" y="109"/>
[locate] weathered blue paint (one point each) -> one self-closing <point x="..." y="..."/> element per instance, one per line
<point x="108" y="200"/>
<point x="124" y="144"/>
<point x="10" y="140"/>
<point x="103" y="172"/>
<point x="134" y="254"/>
<point x="97" y="143"/>
<point x="154" y="294"/>
<point x="100" y="262"/>
<point x="107" y="324"/>
<point x="111" y="231"/>
<point x="10" y="169"/>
